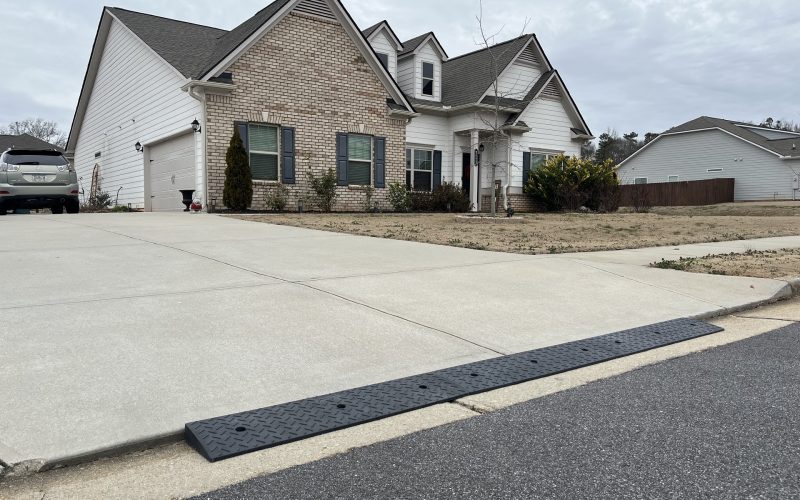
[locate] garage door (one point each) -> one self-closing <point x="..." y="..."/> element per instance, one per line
<point x="171" y="169"/>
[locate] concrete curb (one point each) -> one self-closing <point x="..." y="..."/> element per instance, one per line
<point x="788" y="291"/>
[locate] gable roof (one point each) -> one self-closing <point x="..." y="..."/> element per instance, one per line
<point x="195" y="50"/>
<point x="383" y="24"/>
<point x="411" y="46"/>
<point x="466" y="78"/>
<point x="784" y="148"/>
<point x="787" y="147"/>
<point x="24" y="141"/>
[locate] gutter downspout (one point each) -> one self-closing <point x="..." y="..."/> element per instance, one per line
<point x="204" y="148"/>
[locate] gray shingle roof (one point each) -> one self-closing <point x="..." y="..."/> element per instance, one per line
<point x="188" y="47"/>
<point x="367" y="32"/>
<point x="466" y="78"/>
<point x="411" y="45"/>
<point x="24" y="141"/>
<point x="192" y="49"/>
<point x="784" y="147"/>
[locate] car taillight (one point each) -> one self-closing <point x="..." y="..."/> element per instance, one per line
<point x="74" y="191"/>
<point x="4" y="193"/>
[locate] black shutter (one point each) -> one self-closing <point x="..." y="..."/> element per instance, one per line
<point x="526" y="168"/>
<point x="341" y="158"/>
<point x="380" y="162"/>
<point x="243" y="132"/>
<point x="437" y="169"/>
<point x="287" y="155"/>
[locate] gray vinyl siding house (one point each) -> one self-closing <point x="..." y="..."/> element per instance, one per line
<point x="765" y="163"/>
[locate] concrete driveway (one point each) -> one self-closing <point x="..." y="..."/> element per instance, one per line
<point x="117" y="329"/>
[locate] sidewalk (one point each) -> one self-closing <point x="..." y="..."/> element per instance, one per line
<point x="165" y="319"/>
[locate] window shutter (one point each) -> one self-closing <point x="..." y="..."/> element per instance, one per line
<point x="380" y="162"/>
<point x="526" y="168"/>
<point x="341" y="158"/>
<point x="243" y="132"/>
<point x="437" y="169"/>
<point x="287" y="155"/>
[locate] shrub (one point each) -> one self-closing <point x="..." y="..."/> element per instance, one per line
<point x="399" y="197"/>
<point x="238" y="192"/>
<point x="324" y="188"/>
<point x="445" y="198"/>
<point x="569" y="183"/>
<point x="278" y="198"/>
<point x="98" y="202"/>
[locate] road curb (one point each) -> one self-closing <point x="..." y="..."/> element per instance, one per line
<point x="790" y="290"/>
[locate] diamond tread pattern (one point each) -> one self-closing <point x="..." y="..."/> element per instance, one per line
<point x="229" y="436"/>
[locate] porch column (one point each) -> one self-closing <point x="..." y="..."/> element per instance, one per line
<point x="474" y="178"/>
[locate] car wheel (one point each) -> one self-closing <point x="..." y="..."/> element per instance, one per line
<point x="72" y="206"/>
<point x="57" y="209"/>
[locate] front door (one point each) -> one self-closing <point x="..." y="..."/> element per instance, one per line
<point x="466" y="171"/>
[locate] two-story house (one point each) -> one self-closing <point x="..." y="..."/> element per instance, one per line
<point x="309" y="91"/>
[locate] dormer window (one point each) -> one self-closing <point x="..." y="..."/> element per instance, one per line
<point x="427" y="79"/>
<point x="384" y="59"/>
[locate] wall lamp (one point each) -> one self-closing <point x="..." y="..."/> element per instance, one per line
<point x="196" y="126"/>
<point x="139" y="147"/>
<point x="478" y="152"/>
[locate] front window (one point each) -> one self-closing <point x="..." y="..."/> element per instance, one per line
<point x="384" y="59"/>
<point x="359" y="160"/>
<point x="263" y="152"/>
<point x="419" y="169"/>
<point x="427" y="79"/>
<point x="640" y="180"/>
<point x="539" y="158"/>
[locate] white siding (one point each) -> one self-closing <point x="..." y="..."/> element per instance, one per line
<point x="759" y="176"/>
<point x="434" y="132"/>
<point x="428" y="54"/>
<point x="381" y="43"/>
<point x="405" y="75"/>
<point x="551" y="132"/>
<point x="136" y="98"/>
<point x="516" y="81"/>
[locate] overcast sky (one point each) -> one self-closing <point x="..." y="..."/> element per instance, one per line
<point x="643" y="65"/>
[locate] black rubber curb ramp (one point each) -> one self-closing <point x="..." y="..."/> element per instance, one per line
<point x="232" y="435"/>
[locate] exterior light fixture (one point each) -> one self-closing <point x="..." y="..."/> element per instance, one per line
<point x="482" y="148"/>
<point x="139" y="147"/>
<point x="196" y="126"/>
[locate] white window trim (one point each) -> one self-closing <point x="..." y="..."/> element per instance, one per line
<point x="371" y="159"/>
<point x="646" y="181"/>
<point x="677" y="178"/>
<point x="432" y="95"/>
<point x="413" y="150"/>
<point x="548" y="154"/>
<point x="277" y="153"/>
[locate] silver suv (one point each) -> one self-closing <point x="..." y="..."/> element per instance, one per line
<point x="37" y="178"/>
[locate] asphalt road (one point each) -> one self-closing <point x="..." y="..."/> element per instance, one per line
<point x="719" y="424"/>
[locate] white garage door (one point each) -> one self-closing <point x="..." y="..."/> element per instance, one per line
<point x="171" y="169"/>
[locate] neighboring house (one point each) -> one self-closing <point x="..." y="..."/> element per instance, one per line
<point x="308" y="91"/>
<point x="24" y="141"/>
<point x="765" y="162"/>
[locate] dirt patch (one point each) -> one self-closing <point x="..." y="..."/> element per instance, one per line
<point x="757" y="264"/>
<point x="552" y="233"/>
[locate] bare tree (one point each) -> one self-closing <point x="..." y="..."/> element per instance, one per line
<point x="497" y="117"/>
<point x="39" y="128"/>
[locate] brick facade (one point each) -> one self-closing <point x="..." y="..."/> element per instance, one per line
<point x="308" y="74"/>
<point x="521" y="203"/>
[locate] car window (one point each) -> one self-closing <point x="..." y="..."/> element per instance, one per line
<point x="34" y="158"/>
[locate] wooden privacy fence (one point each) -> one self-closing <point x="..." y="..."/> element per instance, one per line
<point x="676" y="194"/>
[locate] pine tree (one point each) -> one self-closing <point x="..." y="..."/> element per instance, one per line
<point x="238" y="192"/>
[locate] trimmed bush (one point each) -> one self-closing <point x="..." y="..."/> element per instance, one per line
<point x="238" y="192"/>
<point x="569" y="183"/>
<point x="277" y="198"/>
